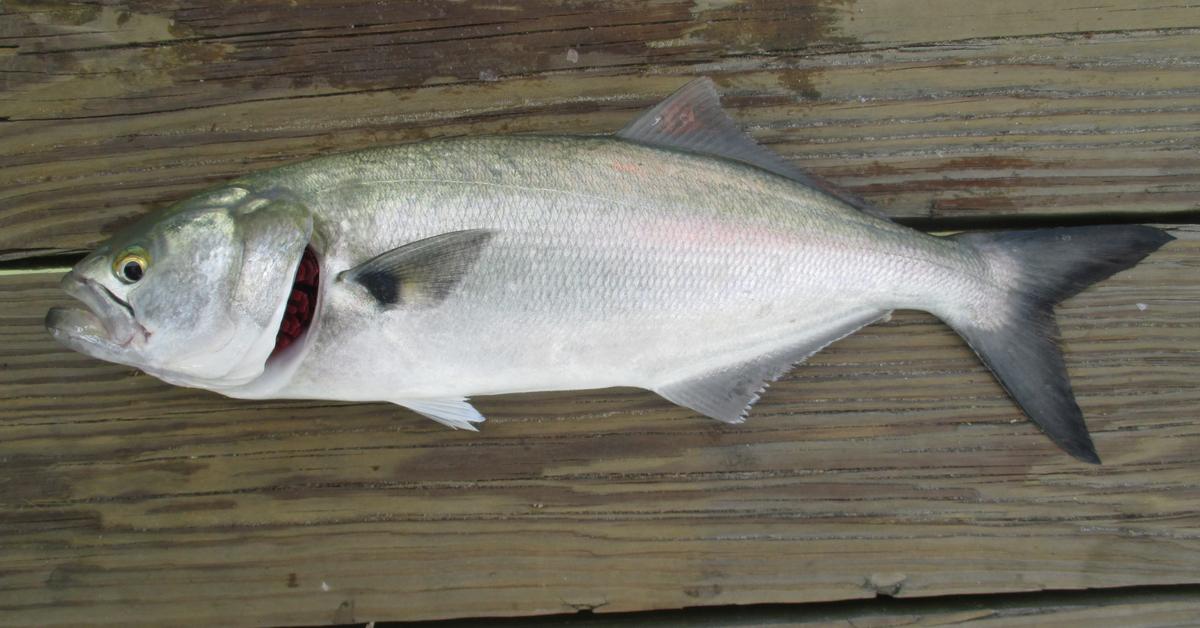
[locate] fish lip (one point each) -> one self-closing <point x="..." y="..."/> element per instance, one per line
<point x="119" y="302"/>
<point x="103" y="309"/>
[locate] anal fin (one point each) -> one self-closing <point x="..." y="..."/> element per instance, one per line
<point x="726" y="392"/>
<point x="457" y="413"/>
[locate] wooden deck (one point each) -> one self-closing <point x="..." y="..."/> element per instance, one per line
<point x="891" y="465"/>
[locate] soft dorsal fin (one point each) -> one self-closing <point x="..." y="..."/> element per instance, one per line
<point x="419" y="273"/>
<point x="692" y="120"/>
<point x="457" y="413"/>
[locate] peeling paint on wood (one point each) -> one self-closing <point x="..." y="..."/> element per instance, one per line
<point x="890" y="465"/>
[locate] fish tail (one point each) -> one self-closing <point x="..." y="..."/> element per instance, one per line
<point x="1016" y="335"/>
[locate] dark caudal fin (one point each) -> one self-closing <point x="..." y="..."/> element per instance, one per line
<point x="1038" y="269"/>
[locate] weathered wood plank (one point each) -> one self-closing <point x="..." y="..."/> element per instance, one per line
<point x="1177" y="606"/>
<point x="891" y="463"/>
<point x="1026" y="108"/>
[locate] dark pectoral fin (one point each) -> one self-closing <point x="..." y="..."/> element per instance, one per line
<point x="420" y="273"/>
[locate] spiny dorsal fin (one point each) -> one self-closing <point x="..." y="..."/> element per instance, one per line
<point x="692" y="120"/>
<point x="420" y="273"/>
<point x="457" y="413"/>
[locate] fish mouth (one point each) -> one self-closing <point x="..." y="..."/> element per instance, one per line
<point x="106" y="325"/>
<point x="301" y="303"/>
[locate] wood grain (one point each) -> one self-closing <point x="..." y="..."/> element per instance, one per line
<point x="1161" y="607"/>
<point x="934" y="109"/>
<point x="890" y="464"/>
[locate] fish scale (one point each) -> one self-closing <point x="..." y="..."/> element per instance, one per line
<point x="677" y="256"/>
<point x="641" y="257"/>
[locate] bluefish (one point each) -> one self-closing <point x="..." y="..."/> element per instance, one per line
<point x="677" y="256"/>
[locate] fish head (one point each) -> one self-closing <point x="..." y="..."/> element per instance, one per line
<point x="194" y="294"/>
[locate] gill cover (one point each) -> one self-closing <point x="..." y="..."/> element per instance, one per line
<point x="274" y="230"/>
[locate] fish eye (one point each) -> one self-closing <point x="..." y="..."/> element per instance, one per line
<point x="131" y="264"/>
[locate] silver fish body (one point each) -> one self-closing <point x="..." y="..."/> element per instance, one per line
<point x="677" y="257"/>
<point x="613" y="264"/>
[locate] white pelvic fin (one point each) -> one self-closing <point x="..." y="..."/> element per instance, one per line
<point x="457" y="413"/>
<point x="692" y="119"/>
<point x="727" y="392"/>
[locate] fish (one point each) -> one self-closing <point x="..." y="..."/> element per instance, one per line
<point x="677" y="255"/>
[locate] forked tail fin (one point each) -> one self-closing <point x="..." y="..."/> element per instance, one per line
<point x="1036" y="270"/>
